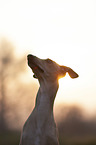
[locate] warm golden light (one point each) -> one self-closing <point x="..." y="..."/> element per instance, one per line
<point x="61" y="31"/>
<point x="64" y="31"/>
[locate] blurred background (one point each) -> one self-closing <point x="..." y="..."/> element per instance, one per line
<point x="65" y="31"/>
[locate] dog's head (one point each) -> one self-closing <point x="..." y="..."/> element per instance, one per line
<point x="48" y="69"/>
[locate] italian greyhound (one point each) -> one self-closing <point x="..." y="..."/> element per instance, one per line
<point x="40" y="127"/>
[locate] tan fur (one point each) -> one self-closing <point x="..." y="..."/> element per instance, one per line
<point x="40" y="127"/>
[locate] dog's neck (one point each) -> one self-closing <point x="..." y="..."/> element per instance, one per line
<point x="47" y="92"/>
<point x="44" y="103"/>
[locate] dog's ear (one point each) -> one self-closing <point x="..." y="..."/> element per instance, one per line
<point x="71" y="73"/>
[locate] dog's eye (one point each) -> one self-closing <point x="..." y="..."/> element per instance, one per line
<point x="49" y="60"/>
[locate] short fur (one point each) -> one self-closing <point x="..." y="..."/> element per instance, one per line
<point x="40" y="127"/>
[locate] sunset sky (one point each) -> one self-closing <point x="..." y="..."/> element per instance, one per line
<point x="63" y="30"/>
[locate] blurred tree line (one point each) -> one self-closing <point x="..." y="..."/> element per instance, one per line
<point x="75" y="128"/>
<point x="14" y="91"/>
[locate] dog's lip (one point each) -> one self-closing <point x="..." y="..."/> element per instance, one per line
<point x="37" y="67"/>
<point x="34" y="66"/>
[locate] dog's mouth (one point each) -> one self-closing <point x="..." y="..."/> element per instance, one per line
<point x="37" y="70"/>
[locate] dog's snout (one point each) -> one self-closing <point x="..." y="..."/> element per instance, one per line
<point x="29" y="59"/>
<point x="29" y="56"/>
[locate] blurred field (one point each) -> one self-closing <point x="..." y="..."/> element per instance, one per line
<point x="13" y="138"/>
<point x="77" y="140"/>
<point x="9" y="138"/>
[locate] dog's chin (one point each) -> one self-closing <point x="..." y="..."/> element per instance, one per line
<point x="34" y="76"/>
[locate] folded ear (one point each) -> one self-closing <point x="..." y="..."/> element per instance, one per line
<point x="71" y="73"/>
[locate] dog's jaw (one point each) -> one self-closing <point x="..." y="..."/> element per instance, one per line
<point x="37" y="70"/>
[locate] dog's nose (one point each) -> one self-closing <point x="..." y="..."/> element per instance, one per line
<point x="29" y="56"/>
